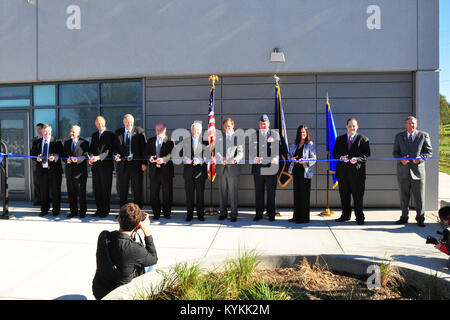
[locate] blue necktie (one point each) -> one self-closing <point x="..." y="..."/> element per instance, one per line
<point x="74" y="144"/>
<point x="45" y="152"/>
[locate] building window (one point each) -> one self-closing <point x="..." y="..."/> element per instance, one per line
<point x="15" y="96"/>
<point x="124" y="93"/>
<point x="46" y="116"/>
<point x="83" y="117"/>
<point x="78" y="94"/>
<point x="44" y="95"/>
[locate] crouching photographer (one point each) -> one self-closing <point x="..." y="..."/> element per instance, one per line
<point x="120" y="258"/>
<point x="443" y="244"/>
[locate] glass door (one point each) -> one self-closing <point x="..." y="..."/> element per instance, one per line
<point x="14" y="132"/>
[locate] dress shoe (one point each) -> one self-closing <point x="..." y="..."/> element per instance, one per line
<point x="360" y="222"/>
<point x="301" y="222"/>
<point x="188" y="218"/>
<point x="272" y="218"/>
<point x="420" y="224"/>
<point x="257" y="218"/>
<point x="201" y="218"/>
<point x="103" y="215"/>
<point x="222" y="217"/>
<point x="401" y="221"/>
<point x="71" y="215"/>
<point x="55" y="214"/>
<point x="342" y="219"/>
<point x="167" y="215"/>
<point x="96" y="214"/>
<point x="156" y="217"/>
<point x="233" y="219"/>
<point x="43" y="214"/>
<point x="82" y="215"/>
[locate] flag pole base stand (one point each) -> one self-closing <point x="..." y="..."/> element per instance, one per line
<point x="277" y="214"/>
<point x="326" y="213"/>
<point x="211" y="212"/>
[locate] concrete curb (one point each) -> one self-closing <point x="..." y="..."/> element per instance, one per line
<point x="341" y="263"/>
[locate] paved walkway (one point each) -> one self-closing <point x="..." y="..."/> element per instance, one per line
<point x="54" y="258"/>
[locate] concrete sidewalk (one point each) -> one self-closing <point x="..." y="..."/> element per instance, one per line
<point x="54" y="258"/>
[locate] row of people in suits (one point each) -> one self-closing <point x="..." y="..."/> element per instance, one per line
<point x="129" y="143"/>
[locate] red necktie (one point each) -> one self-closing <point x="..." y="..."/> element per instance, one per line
<point x="349" y="143"/>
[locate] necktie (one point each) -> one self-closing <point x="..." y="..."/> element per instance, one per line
<point x="410" y="140"/>
<point x="350" y="143"/>
<point x="99" y="135"/>
<point x="195" y="145"/>
<point x="158" y="146"/>
<point x="74" y="144"/>
<point x="45" y="152"/>
<point x="128" y="143"/>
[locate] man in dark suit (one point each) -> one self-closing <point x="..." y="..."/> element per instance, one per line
<point x="48" y="151"/>
<point x="76" y="155"/>
<point x="265" y="168"/>
<point x="412" y="143"/>
<point x="229" y="151"/>
<point x="353" y="149"/>
<point x="161" y="171"/>
<point x="129" y="154"/>
<point x="37" y="192"/>
<point x="195" y="173"/>
<point x="100" y="158"/>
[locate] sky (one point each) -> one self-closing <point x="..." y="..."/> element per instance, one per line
<point x="444" y="47"/>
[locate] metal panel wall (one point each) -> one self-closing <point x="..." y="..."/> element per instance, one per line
<point x="380" y="101"/>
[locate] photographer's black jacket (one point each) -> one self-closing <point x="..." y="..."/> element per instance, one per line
<point x="119" y="260"/>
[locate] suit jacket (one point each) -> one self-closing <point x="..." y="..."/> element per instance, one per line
<point x="55" y="149"/>
<point x="421" y="147"/>
<point x="78" y="169"/>
<point x="103" y="148"/>
<point x="166" y="169"/>
<point x="309" y="152"/>
<point x="360" y="148"/>
<point x="198" y="171"/>
<point x="138" y="142"/>
<point x="235" y="151"/>
<point x="33" y="163"/>
<point x="262" y="143"/>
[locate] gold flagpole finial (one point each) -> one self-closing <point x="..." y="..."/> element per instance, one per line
<point x="213" y="78"/>
<point x="276" y="78"/>
<point x="327" y="97"/>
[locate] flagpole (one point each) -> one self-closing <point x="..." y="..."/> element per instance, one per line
<point x="327" y="211"/>
<point x="212" y="78"/>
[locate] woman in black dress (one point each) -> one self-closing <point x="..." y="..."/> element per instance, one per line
<point x="303" y="154"/>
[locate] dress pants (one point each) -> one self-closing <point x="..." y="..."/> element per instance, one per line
<point x="37" y="188"/>
<point x="102" y="182"/>
<point x="302" y="194"/>
<point x="417" y="187"/>
<point x="352" y="187"/>
<point x="228" y="191"/>
<point x="76" y="189"/>
<point x="158" y="182"/>
<point x="50" y="182"/>
<point x="125" y="172"/>
<point x="261" y="183"/>
<point x="195" y="193"/>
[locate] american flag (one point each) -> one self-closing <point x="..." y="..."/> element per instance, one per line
<point x="212" y="131"/>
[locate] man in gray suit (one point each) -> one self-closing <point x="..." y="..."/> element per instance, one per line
<point x="229" y="153"/>
<point x="416" y="144"/>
